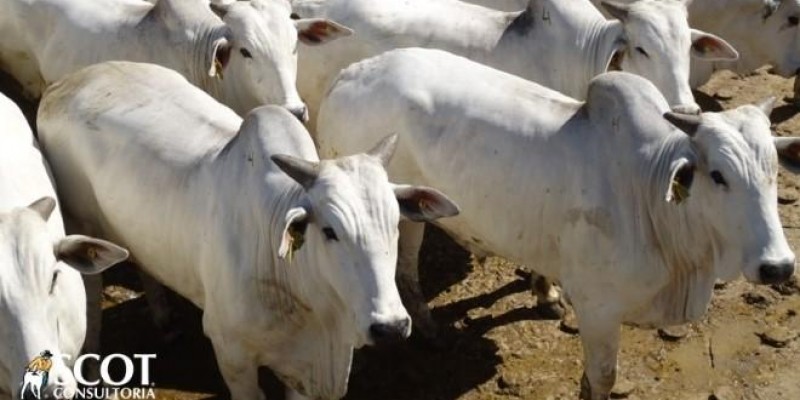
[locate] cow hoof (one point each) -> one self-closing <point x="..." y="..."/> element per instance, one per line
<point x="551" y="310"/>
<point x="586" y="389"/>
<point x="673" y="333"/>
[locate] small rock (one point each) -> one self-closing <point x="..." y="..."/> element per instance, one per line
<point x="723" y="94"/>
<point x="674" y="333"/>
<point x="777" y="337"/>
<point x="757" y="299"/>
<point x="784" y="200"/>
<point x="622" y="389"/>
<point x="724" y="393"/>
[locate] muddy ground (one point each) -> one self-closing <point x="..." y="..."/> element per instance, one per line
<point x="499" y="347"/>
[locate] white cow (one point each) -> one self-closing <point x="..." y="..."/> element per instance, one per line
<point x="292" y="259"/>
<point x="765" y="32"/>
<point x="42" y="299"/>
<point x="502" y="5"/>
<point x="246" y="58"/>
<point x="561" y="44"/>
<point x="635" y="219"/>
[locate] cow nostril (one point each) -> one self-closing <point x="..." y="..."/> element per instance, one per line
<point x="393" y="332"/>
<point x="775" y="273"/>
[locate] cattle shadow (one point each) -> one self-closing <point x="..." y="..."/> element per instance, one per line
<point x="187" y="367"/>
<point x="12" y="89"/>
<point x="783" y="113"/>
<point x="707" y="103"/>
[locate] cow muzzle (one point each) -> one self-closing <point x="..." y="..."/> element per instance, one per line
<point x="773" y="273"/>
<point x="390" y="332"/>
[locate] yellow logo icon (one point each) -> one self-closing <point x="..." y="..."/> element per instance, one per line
<point x="36" y="375"/>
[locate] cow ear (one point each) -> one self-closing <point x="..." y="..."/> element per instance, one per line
<point x="220" y="55"/>
<point x="89" y="255"/>
<point x="617" y="10"/>
<point x="423" y="204"/>
<point x="315" y="31"/>
<point x="294" y="232"/>
<point x="788" y="153"/>
<point x="681" y="176"/>
<point x="712" y="48"/>
<point x="44" y="207"/>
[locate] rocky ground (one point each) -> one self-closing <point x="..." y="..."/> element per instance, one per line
<point x="499" y="347"/>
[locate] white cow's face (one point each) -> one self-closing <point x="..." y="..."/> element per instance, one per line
<point x="779" y="35"/>
<point x="733" y="177"/>
<point x="351" y="220"/>
<point x="261" y="54"/>
<point x="33" y="272"/>
<point x="659" y="44"/>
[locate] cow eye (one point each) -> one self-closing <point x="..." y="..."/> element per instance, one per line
<point x="718" y="179"/>
<point x="794" y="20"/>
<point x="245" y="53"/>
<point x="642" y="52"/>
<point x="330" y="234"/>
<point x="54" y="280"/>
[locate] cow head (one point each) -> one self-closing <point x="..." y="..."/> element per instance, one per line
<point x="659" y="43"/>
<point x="257" y="59"/>
<point x="776" y="35"/>
<point x="350" y="214"/>
<point x="38" y="281"/>
<point x="728" y="175"/>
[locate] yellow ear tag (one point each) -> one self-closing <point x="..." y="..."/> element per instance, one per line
<point x="92" y="252"/>
<point x="296" y="241"/>
<point x="218" y="68"/>
<point x="679" y="192"/>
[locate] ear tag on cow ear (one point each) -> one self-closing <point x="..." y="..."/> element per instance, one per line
<point x="218" y="68"/>
<point x="92" y="253"/>
<point x="679" y="192"/>
<point x="296" y="240"/>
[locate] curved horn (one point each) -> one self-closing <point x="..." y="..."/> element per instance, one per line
<point x="302" y="171"/>
<point x="685" y="122"/>
<point x="384" y="150"/>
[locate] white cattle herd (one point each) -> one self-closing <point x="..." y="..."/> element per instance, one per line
<point x="175" y="128"/>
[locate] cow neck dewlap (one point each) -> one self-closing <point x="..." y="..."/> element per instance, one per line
<point x="322" y="344"/>
<point x="681" y="242"/>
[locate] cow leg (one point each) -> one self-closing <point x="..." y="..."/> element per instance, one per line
<point x="548" y="297"/>
<point x="600" y="336"/>
<point x="93" y="285"/>
<point x="158" y="301"/>
<point x="238" y="366"/>
<point x="411" y="234"/>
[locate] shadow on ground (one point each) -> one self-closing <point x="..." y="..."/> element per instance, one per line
<point x="410" y="371"/>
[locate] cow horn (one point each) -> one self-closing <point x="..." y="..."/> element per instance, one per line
<point x="617" y="10"/>
<point x="685" y="122"/>
<point x="766" y="105"/>
<point x="384" y="150"/>
<point x="302" y="171"/>
<point x="44" y="207"/>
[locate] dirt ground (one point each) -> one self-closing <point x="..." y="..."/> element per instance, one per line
<point x="499" y="347"/>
